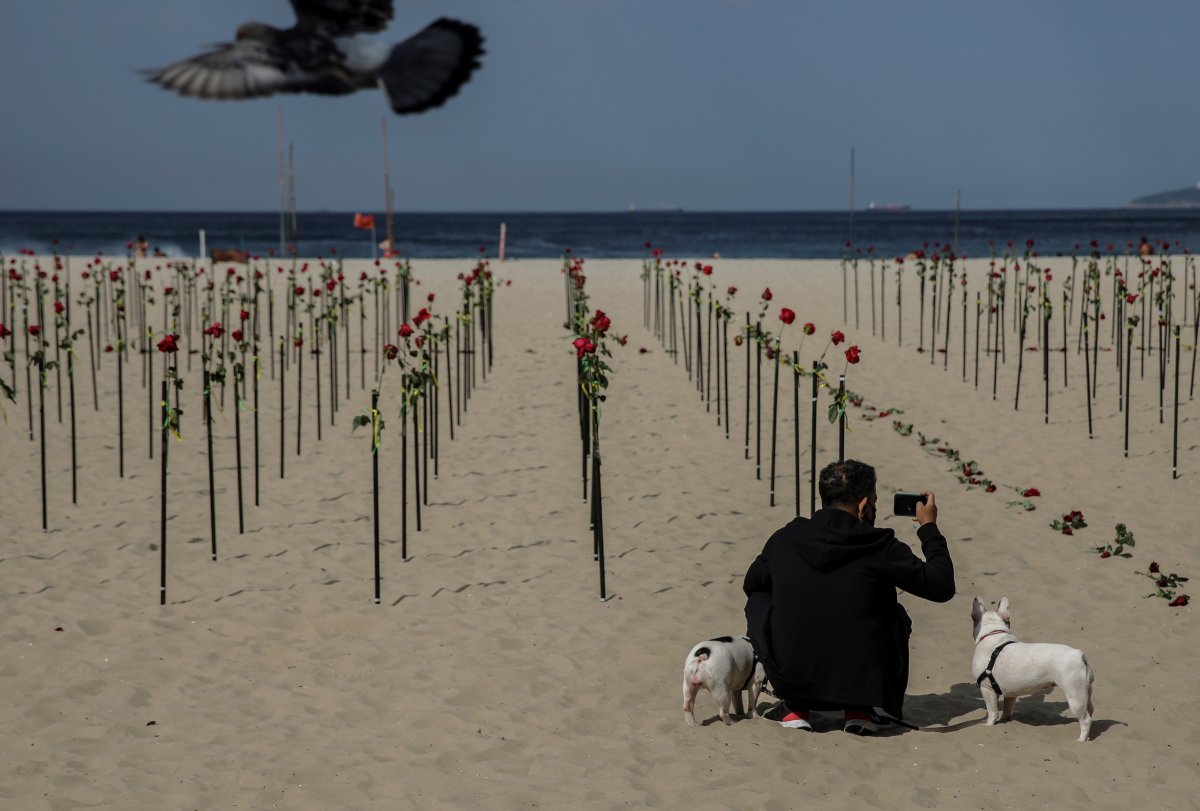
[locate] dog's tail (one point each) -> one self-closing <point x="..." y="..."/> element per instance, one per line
<point x="695" y="664"/>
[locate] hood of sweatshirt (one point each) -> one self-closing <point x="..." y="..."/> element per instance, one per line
<point x="832" y="538"/>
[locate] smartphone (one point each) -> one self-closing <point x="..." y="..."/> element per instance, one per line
<point x="906" y="503"/>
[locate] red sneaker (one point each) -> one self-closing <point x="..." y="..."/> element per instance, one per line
<point x="796" y="719"/>
<point x="857" y="722"/>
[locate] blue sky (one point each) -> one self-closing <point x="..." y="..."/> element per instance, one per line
<point x="589" y="105"/>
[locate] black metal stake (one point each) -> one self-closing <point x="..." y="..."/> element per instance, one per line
<point x="375" y="483"/>
<point x="162" y="540"/>
<point x="812" y="492"/>
<point x="212" y="496"/>
<point x="774" y="418"/>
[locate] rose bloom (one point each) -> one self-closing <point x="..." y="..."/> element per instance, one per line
<point x="34" y="329"/>
<point x="237" y="335"/>
<point x="390" y="351"/>
<point x="1032" y="492"/>
<point x="215" y="330"/>
<point x="168" y="291"/>
<point x="421" y="316"/>
<point x="108" y="347"/>
<point x="405" y="330"/>
<point x="58" y="307"/>
<point x="837" y="337"/>
<point x="4" y="332"/>
<point x="429" y="298"/>
<point x="583" y="347"/>
<point x="852" y="355"/>
<point x="767" y="295"/>
<point x="169" y="344"/>
<point x="731" y="291"/>
<point x="298" y="342"/>
<point x="299" y="291"/>
<point x="245" y="315"/>
<point x="810" y="328"/>
<point x="787" y="316"/>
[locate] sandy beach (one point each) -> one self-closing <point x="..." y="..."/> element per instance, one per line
<point x="491" y="675"/>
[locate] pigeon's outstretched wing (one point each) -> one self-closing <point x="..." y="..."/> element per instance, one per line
<point x="343" y="17"/>
<point x="428" y="68"/>
<point x="236" y="70"/>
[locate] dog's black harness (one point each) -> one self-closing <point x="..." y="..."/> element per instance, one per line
<point x="987" y="671"/>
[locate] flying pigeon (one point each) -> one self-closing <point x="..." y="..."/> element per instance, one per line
<point x="325" y="52"/>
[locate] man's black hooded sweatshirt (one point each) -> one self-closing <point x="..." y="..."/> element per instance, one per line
<point x="822" y="610"/>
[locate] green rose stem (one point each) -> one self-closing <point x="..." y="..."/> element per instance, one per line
<point x="1132" y="322"/>
<point x="1175" y="429"/>
<point x="1087" y="367"/>
<point x="212" y="496"/>
<point x="949" y="294"/>
<point x="445" y="341"/>
<point x="162" y="518"/>
<point x="725" y="355"/>
<point x="597" y="502"/>
<point x="282" y="401"/>
<point x="1046" y="359"/>
<point x="149" y="368"/>
<point x="375" y="482"/>
<point x="748" y="364"/>
<point x="1021" y="350"/>
<point x="796" y="423"/>
<point x="758" y="400"/>
<point x="237" y="439"/>
<point x="978" y="319"/>
<point x="708" y="370"/>
<point x="774" y="414"/>
<point x="299" y="344"/>
<point x="41" y="364"/>
<point x="416" y="463"/>
<point x="841" y="398"/>
<point x="812" y="456"/>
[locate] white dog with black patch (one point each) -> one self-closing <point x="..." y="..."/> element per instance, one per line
<point x="724" y="666"/>
<point x="1005" y="668"/>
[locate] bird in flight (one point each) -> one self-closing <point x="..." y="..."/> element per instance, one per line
<point x="326" y="52"/>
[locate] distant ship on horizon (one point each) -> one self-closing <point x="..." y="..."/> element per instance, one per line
<point x="888" y="207"/>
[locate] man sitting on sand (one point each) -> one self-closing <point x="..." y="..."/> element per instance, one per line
<point x="821" y="603"/>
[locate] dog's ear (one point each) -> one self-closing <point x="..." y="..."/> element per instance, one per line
<point x="1002" y="610"/>
<point x="976" y="610"/>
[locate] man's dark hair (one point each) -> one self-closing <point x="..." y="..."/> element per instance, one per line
<point x="844" y="484"/>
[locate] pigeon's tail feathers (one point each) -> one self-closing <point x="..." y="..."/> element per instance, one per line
<point x="428" y="68"/>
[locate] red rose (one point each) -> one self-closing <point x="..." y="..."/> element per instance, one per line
<point x="34" y="329"/>
<point x="405" y="330"/>
<point x="787" y="316"/>
<point x="852" y="355"/>
<point x="1154" y="567"/>
<point x="299" y="291"/>
<point x="837" y="337"/>
<point x="767" y="295"/>
<point x="4" y="332"/>
<point x="810" y="328"/>
<point x="236" y="335"/>
<point x="331" y="285"/>
<point x="168" y="291"/>
<point x="642" y="350"/>
<point x="601" y="322"/>
<point x="706" y="270"/>
<point x="1031" y="492"/>
<point x="215" y="330"/>
<point x="1131" y="298"/>
<point x="421" y="317"/>
<point x="169" y="344"/>
<point x="1162" y="582"/>
<point x="1181" y="600"/>
<point x="245" y="315"/>
<point x="583" y="346"/>
<point x="114" y="275"/>
<point x="991" y="488"/>
<point x="731" y="291"/>
<point x="624" y="339"/>
<point x="390" y="351"/>
<point x="737" y="340"/>
<point x="108" y="347"/>
<point x="429" y="298"/>
<point x="1106" y="554"/>
<point x="58" y="308"/>
<point x="1066" y="530"/>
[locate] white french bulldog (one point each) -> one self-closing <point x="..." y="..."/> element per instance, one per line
<point x="1025" y="668"/>
<point x="724" y="666"/>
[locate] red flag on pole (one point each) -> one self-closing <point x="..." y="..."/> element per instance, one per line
<point x="364" y="221"/>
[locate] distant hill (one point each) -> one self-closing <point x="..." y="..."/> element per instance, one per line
<point x="1180" y="198"/>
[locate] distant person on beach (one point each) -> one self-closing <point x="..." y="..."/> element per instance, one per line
<point x="1145" y="248"/>
<point x="141" y="247"/>
<point x="159" y="251"/>
<point x="821" y="603"/>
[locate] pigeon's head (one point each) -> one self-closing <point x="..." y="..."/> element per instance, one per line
<point x="260" y="32"/>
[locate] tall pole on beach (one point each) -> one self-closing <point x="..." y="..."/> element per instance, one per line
<point x="282" y="189"/>
<point x="387" y="190"/>
<point x="850" y="238"/>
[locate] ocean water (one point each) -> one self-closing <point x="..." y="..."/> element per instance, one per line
<point x="743" y="235"/>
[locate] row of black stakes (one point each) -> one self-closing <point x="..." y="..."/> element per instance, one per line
<point x="659" y="316"/>
<point x="1087" y="347"/>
